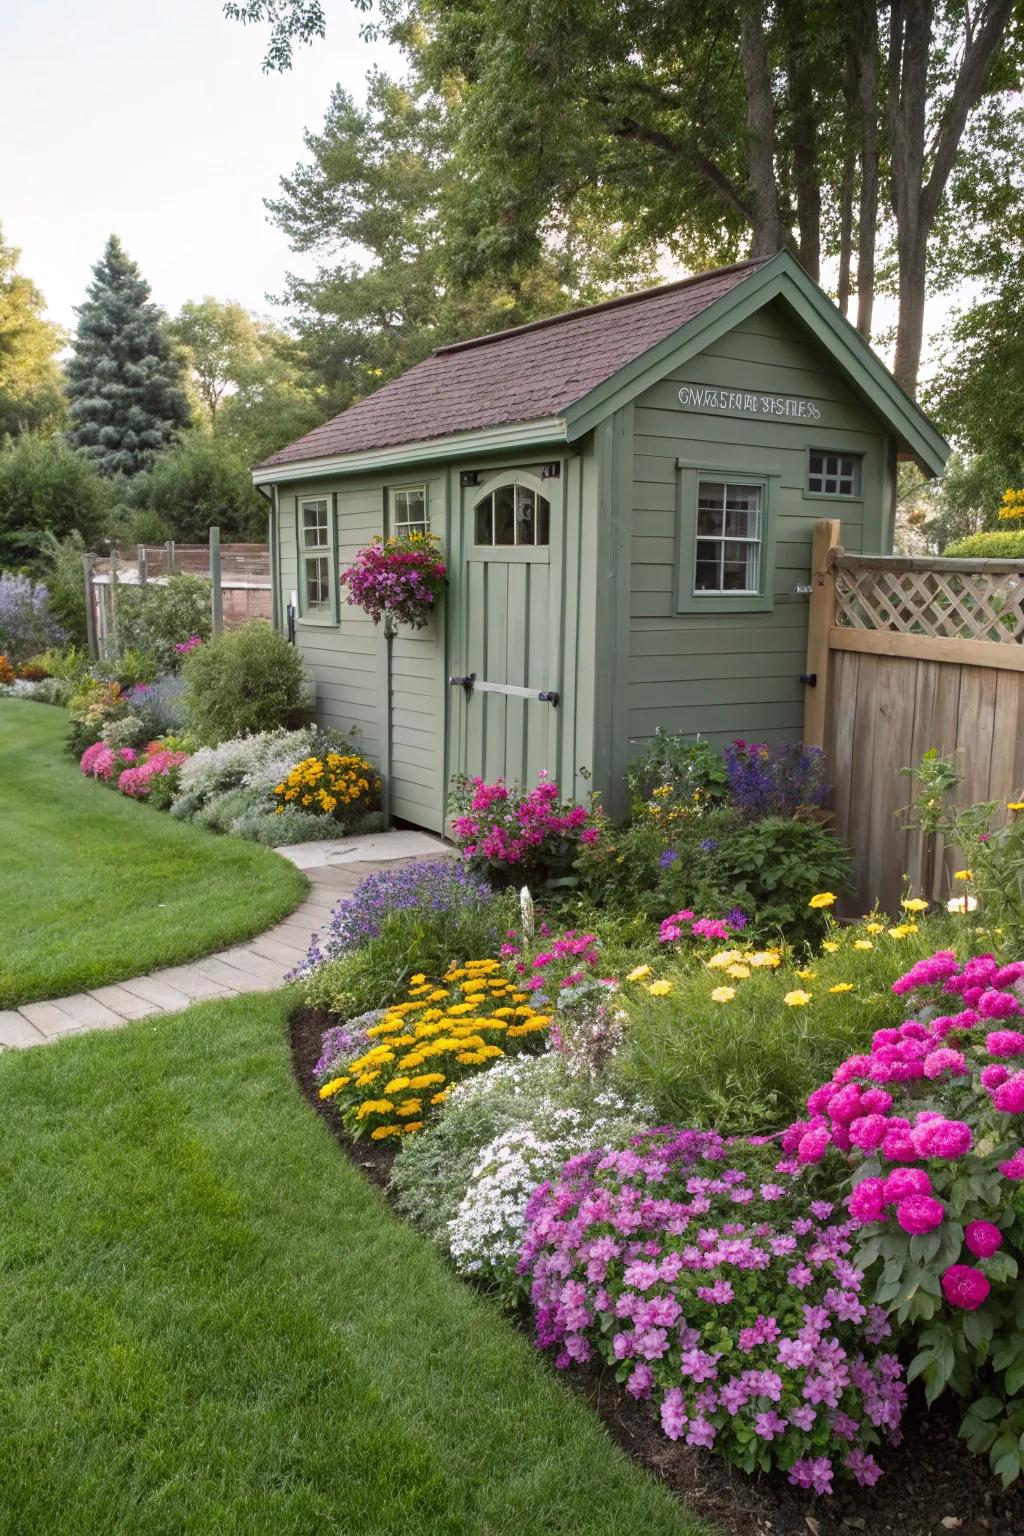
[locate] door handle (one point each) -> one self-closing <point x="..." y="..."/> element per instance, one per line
<point x="463" y="682"/>
<point x="549" y="698"/>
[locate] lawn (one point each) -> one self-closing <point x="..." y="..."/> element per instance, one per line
<point x="209" y="1321"/>
<point x="95" y="887"/>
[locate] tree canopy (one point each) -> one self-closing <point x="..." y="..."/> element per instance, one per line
<point x="124" y="383"/>
<point x="30" y="384"/>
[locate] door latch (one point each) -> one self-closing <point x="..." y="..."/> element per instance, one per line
<point x="549" y="698"/>
<point x="463" y="682"/>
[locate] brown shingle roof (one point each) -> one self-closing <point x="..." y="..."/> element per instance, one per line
<point x="524" y="374"/>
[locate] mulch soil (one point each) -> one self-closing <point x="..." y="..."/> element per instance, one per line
<point x="932" y="1483"/>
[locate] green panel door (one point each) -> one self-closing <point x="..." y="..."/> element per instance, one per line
<point x="505" y="725"/>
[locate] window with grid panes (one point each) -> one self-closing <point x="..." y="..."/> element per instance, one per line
<point x="315" y="553"/>
<point x="409" y="510"/>
<point x="833" y="474"/>
<point x="729" y="537"/>
<point x="513" y="515"/>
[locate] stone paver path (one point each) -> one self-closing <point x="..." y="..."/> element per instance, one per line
<point x="333" y="868"/>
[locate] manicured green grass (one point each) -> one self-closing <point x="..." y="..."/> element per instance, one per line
<point x="95" y="887"/>
<point x="209" y="1321"/>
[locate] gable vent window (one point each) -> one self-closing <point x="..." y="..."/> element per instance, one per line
<point x="834" y="474"/>
<point x="513" y="515"/>
<point x="729" y="537"/>
<point x="409" y="511"/>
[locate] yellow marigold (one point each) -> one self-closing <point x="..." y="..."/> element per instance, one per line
<point x="805" y="975"/>
<point x="660" y="988"/>
<point x="914" y="904"/>
<point x="414" y="1125"/>
<point x="503" y="1013"/>
<point x="797" y="998"/>
<point x="528" y="1027"/>
<point x="439" y="1098"/>
<point x="520" y="997"/>
<point x="474" y="984"/>
<point x="769" y="957"/>
<point x="395" y="1084"/>
<point x="330" y="1089"/>
<point x="723" y="994"/>
<point x="874" y="928"/>
<point x="842" y="986"/>
<point x="409" y="1107"/>
<point x="438" y="995"/>
<point x="374" y="1107"/>
<point x="738" y="972"/>
<point x="427" y="1080"/>
<point x="385" y="1130"/>
<point x="863" y="944"/>
<point x="462" y="1007"/>
<point x="638" y="973"/>
<point x="963" y="874"/>
<point x="901" y="931"/>
<point x="1015" y="805"/>
<point x="830" y="945"/>
<point x="413" y="1059"/>
<point x="723" y="959"/>
<point x="823" y="899"/>
<point x="454" y="975"/>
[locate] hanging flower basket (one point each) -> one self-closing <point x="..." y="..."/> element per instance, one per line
<point x="402" y="578"/>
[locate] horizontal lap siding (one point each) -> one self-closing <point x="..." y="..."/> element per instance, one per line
<point x="738" y="674"/>
<point x="347" y="660"/>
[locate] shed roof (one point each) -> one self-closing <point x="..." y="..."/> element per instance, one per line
<point x="523" y="374"/>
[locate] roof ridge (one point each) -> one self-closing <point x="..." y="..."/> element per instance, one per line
<point x="593" y="309"/>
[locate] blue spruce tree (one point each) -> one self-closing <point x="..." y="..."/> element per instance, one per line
<point x="123" y="383"/>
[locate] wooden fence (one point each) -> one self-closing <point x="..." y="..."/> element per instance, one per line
<point x="910" y="654"/>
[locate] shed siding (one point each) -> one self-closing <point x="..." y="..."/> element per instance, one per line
<point x="730" y="674"/>
<point x="347" y="661"/>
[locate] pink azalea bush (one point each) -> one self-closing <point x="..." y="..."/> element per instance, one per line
<point x="101" y="762"/>
<point x="724" y="1295"/>
<point x="932" y="1121"/>
<point x="403" y="577"/>
<point x="506" y="828"/>
<point x="140" y="782"/>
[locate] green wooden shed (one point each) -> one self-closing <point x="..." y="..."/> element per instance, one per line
<point x="625" y="495"/>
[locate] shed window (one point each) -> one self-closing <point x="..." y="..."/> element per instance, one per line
<point x="729" y="537"/>
<point x="316" y="556"/>
<point x="513" y="515"/>
<point x="409" y="510"/>
<point x="833" y="474"/>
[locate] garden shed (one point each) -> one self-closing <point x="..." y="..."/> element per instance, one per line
<point x="625" y="495"/>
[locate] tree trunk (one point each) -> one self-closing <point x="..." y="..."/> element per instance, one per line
<point x="804" y="143"/>
<point x="912" y="250"/>
<point x="764" y="196"/>
<point x="867" y="112"/>
<point x="845" y="231"/>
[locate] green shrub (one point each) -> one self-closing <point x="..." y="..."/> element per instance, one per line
<point x="46" y="487"/>
<point x="155" y="618"/>
<point x="692" y="769"/>
<point x="411" y="940"/>
<point x="747" y="1062"/>
<point x="998" y="544"/>
<point x="771" y="868"/>
<point x="246" y="680"/>
<point x="295" y="825"/>
<point x="199" y="483"/>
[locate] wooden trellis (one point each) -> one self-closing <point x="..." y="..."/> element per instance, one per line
<point x="955" y="600"/>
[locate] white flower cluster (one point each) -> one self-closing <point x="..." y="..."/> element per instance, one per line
<point x="486" y="1233"/>
<point x="251" y="762"/>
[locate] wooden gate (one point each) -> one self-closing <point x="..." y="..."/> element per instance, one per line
<point x="907" y="655"/>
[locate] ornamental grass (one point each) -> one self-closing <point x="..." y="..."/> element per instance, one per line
<point x="439" y="1034"/>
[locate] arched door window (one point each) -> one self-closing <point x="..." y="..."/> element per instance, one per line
<point x="513" y="515"/>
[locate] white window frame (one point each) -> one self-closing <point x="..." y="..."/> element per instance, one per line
<point x="323" y="548"/>
<point x="515" y="485"/>
<point x="755" y="543"/>
<point x="690" y="475"/>
<point x="402" y="526"/>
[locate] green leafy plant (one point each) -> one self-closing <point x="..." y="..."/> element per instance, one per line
<point x="770" y="868"/>
<point x="154" y="619"/>
<point x="690" y="768"/>
<point x="247" y="679"/>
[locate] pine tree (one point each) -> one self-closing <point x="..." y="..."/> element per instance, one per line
<point x="124" y="383"/>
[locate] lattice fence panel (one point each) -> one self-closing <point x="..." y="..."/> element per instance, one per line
<point x="930" y="598"/>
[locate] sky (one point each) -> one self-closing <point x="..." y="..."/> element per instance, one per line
<point x="154" y="121"/>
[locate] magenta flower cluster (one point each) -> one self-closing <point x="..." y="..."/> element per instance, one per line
<point x="101" y="762"/>
<point x="890" y="1110"/>
<point x="137" y="782"/>
<point x="402" y="577"/>
<point x="726" y="1298"/>
<point x="505" y="825"/>
<point x="716" y="928"/>
<point x="186" y="647"/>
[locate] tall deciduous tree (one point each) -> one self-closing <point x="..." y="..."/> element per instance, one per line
<point x="124" y="383"/>
<point x="30" y="392"/>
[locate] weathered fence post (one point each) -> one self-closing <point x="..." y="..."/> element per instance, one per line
<point x="143" y="565"/>
<point x="113" y="598"/>
<point x="820" y="619"/>
<point x="169" y="549"/>
<point x="90" y="609"/>
<point x="216" y="595"/>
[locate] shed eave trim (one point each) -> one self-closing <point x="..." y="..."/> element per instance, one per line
<point x="520" y="434"/>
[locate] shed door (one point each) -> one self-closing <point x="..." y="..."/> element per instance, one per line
<point x="504" y="693"/>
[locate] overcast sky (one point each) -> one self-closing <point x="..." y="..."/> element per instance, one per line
<point x="153" y="119"/>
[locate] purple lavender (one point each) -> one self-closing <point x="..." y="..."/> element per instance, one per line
<point x="440" y="885"/>
<point x="342" y="1042"/>
<point x="26" y="623"/>
<point x="775" y="781"/>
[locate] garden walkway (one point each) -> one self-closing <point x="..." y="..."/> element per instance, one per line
<point x="333" y="869"/>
